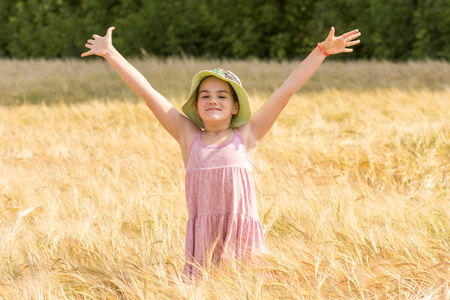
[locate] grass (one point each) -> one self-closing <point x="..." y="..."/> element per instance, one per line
<point x="353" y="184"/>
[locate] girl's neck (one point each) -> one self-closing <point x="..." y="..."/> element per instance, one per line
<point x="215" y="138"/>
<point x="217" y="130"/>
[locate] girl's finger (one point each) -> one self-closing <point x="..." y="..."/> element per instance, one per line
<point x="352" y="37"/>
<point x="331" y="33"/>
<point x="88" y="46"/>
<point x="86" y="53"/>
<point x="110" y="30"/>
<point x="90" y="41"/>
<point x="353" y="32"/>
<point x="95" y="36"/>
<point x="352" y="43"/>
<point x="348" y="50"/>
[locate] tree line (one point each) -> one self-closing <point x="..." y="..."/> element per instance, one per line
<point x="269" y="29"/>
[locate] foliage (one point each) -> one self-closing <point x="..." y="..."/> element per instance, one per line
<point x="280" y="29"/>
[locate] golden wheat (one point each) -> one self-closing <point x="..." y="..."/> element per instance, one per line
<point x="353" y="184"/>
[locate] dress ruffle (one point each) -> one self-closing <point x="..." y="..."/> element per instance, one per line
<point x="219" y="239"/>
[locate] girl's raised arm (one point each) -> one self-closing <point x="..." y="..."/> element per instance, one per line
<point x="170" y="118"/>
<point x="263" y="119"/>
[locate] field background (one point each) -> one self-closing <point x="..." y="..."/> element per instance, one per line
<point x="353" y="184"/>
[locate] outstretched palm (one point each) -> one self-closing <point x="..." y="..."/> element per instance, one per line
<point x="100" y="44"/>
<point x="334" y="45"/>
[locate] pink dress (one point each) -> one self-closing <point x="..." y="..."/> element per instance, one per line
<point x="221" y="200"/>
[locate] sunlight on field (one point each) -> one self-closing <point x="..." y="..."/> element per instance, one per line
<point x="353" y="184"/>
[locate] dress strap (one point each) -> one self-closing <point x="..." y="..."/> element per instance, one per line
<point x="194" y="140"/>
<point x="236" y="132"/>
<point x="240" y="138"/>
<point x="197" y="137"/>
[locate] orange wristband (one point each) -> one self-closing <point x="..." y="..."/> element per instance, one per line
<point x="323" y="51"/>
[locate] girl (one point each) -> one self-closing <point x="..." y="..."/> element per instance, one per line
<point x="218" y="141"/>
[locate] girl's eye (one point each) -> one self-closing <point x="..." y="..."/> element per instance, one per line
<point x="205" y="97"/>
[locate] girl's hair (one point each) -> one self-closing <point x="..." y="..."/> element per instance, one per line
<point x="233" y="92"/>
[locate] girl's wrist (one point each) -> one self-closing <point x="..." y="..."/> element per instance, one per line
<point x="319" y="46"/>
<point x="109" y="52"/>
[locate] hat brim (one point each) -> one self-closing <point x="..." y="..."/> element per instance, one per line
<point x="242" y="117"/>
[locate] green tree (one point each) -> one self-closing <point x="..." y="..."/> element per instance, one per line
<point x="276" y="29"/>
<point x="432" y="29"/>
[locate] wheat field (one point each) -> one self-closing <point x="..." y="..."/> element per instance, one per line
<point x="353" y="184"/>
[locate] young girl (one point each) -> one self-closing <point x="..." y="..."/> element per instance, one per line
<point x="218" y="141"/>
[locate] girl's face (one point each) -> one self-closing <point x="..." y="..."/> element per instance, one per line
<point x="215" y="101"/>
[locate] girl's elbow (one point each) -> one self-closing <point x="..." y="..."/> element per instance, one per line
<point x="285" y="91"/>
<point x="283" y="96"/>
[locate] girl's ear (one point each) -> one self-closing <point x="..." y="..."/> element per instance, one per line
<point x="235" y="108"/>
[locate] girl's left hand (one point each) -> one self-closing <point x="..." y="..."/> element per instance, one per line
<point x="100" y="45"/>
<point x="335" y="45"/>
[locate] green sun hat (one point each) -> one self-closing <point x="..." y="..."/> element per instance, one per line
<point x="243" y="115"/>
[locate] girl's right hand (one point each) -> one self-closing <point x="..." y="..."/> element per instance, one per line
<point x="100" y="45"/>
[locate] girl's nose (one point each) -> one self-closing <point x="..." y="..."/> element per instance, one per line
<point x="212" y="101"/>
